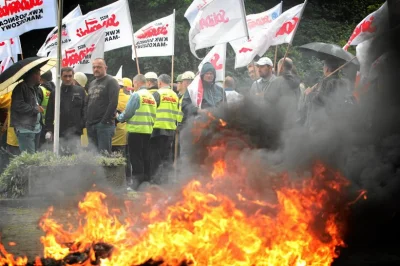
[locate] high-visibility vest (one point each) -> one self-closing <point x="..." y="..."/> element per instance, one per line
<point x="152" y="91"/>
<point x="143" y="119"/>
<point x="180" y="114"/>
<point x="45" y="101"/>
<point x="167" y="111"/>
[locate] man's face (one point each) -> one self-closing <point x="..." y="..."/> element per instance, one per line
<point x="185" y="84"/>
<point x="67" y="78"/>
<point x="36" y="77"/>
<point x="265" y="71"/>
<point x="179" y="86"/>
<point x="99" y="68"/>
<point x="253" y="72"/>
<point x="209" y="77"/>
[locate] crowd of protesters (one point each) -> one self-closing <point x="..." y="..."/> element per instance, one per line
<point x="139" y="118"/>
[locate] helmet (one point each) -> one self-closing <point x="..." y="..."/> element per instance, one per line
<point x="151" y="75"/>
<point x="127" y="82"/>
<point x="80" y="78"/>
<point x="188" y="75"/>
<point x="179" y="78"/>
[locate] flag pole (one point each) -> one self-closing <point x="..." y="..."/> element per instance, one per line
<point x="133" y="38"/>
<point x="58" y="83"/>
<point x="276" y="55"/>
<point x="173" y="57"/>
<point x="294" y="33"/>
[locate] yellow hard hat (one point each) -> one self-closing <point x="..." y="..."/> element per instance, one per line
<point x="127" y="82"/>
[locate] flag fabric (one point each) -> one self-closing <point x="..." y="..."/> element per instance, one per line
<point x="79" y="56"/>
<point x="194" y="9"/>
<point x="115" y="18"/>
<point x="217" y="57"/>
<point x="18" y="17"/>
<point x="119" y="73"/>
<point x="370" y="26"/>
<point x="220" y="21"/>
<point x="156" y="38"/>
<point x="10" y="48"/>
<point x="246" y="49"/>
<point x="5" y="63"/>
<point x="51" y="39"/>
<point x="196" y="90"/>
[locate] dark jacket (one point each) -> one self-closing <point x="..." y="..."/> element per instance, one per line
<point x="101" y="103"/>
<point x="286" y="85"/>
<point x="213" y="95"/>
<point x="72" y="103"/>
<point x="49" y="85"/>
<point x="24" y="106"/>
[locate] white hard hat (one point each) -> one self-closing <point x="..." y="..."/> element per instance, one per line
<point x="188" y="75"/>
<point x="80" y="78"/>
<point x="264" y="61"/>
<point x="151" y="75"/>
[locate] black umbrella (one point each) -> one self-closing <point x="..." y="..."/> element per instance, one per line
<point x="13" y="75"/>
<point x="328" y="51"/>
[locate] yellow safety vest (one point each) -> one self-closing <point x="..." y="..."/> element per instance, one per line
<point x="152" y="91"/>
<point x="167" y="111"/>
<point x="120" y="136"/>
<point x="143" y="119"/>
<point x="45" y="101"/>
<point x="180" y="114"/>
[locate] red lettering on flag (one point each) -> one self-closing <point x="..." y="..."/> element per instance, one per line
<point x="245" y="50"/>
<point x="152" y="32"/>
<point x="213" y="20"/>
<point x="214" y="61"/>
<point x="93" y="25"/>
<point x="287" y="27"/>
<point x="73" y="57"/>
<point x="364" y="26"/>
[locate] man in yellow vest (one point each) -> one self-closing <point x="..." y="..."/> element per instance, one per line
<point x="151" y="82"/>
<point x="140" y="114"/>
<point x="46" y="86"/>
<point x="164" y="128"/>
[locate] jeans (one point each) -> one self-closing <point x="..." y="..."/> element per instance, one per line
<point x="139" y="152"/>
<point x="100" y="135"/>
<point x="28" y="142"/>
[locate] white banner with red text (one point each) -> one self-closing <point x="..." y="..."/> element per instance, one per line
<point x="10" y="48"/>
<point x="194" y="9"/>
<point x="156" y="38"/>
<point x="5" y="63"/>
<point x="220" y="21"/>
<point x="115" y="18"/>
<point x="370" y="26"/>
<point x="51" y="39"/>
<point x="20" y="16"/>
<point x="79" y="56"/>
<point x="217" y="57"/>
<point x="246" y="49"/>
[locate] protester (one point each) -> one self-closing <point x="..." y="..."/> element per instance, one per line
<point x="47" y="86"/>
<point x="213" y="95"/>
<point x="151" y="82"/>
<point x="232" y="95"/>
<point x="164" y="127"/>
<point x="252" y="71"/>
<point x="26" y="111"/>
<point x="140" y="114"/>
<point x="127" y="85"/>
<point x="80" y="79"/>
<point x="179" y="83"/>
<point x="120" y="139"/>
<point x="71" y="113"/>
<point x="101" y="106"/>
<point x="187" y="79"/>
<point x="264" y="66"/>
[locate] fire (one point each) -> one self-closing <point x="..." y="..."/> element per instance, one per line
<point x="208" y="226"/>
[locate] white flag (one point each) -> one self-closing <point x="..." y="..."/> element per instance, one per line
<point x="194" y="9"/>
<point x="220" y="21"/>
<point x="156" y="38"/>
<point x="18" y="17"/>
<point x="370" y="26"/>
<point x="80" y="55"/>
<point x="246" y="49"/>
<point x="217" y="57"/>
<point x="5" y="63"/>
<point x="115" y="18"/>
<point x="51" y="39"/>
<point x="119" y="73"/>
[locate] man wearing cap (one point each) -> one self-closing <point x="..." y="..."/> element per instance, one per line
<point x="265" y="67"/>
<point x="179" y="83"/>
<point x="80" y="79"/>
<point x="151" y="82"/>
<point x="187" y="79"/>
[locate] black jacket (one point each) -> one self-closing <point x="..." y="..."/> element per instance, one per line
<point x="72" y="104"/>
<point x="24" y="106"/>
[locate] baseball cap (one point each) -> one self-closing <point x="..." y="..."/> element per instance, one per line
<point x="188" y="75"/>
<point x="151" y="75"/>
<point x="264" y="61"/>
<point x="179" y="78"/>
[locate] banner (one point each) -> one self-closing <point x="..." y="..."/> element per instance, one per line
<point x="20" y="16"/>
<point x="119" y="73"/>
<point x="5" y="63"/>
<point x="194" y="9"/>
<point x="51" y="39"/>
<point x="370" y="26"/>
<point x="80" y="55"/>
<point x="196" y="90"/>
<point x="115" y="18"/>
<point x="156" y="38"/>
<point x="246" y="49"/>
<point x="217" y="57"/>
<point x="220" y="21"/>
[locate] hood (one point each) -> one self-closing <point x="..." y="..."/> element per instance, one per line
<point x="49" y="85"/>
<point x="292" y="80"/>
<point x="206" y="68"/>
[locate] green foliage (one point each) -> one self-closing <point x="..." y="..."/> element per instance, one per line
<point x="12" y="180"/>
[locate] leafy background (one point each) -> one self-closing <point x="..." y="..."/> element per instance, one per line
<point x="323" y="20"/>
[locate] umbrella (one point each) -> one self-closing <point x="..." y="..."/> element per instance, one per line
<point x="328" y="51"/>
<point x="13" y="75"/>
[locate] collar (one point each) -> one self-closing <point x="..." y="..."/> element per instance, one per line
<point x="142" y="88"/>
<point x="229" y="89"/>
<point x="166" y="87"/>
